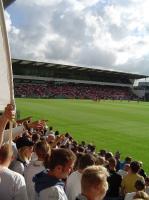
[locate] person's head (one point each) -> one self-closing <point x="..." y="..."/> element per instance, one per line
<point x="117" y="155"/>
<point x="25" y="148"/>
<point x="140" y="185"/>
<point x="94" y="182"/>
<point x="126" y="167"/>
<point x="83" y="143"/>
<point x="35" y="137"/>
<point x="42" y="150"/>
<point x="5" y="155"/>
<point x="102" y="152"/>
<point x="50" y="128"/>
<point x="108" y="155"/>
<point x="134" y="167"/>
<point x="147" y="181"/>
<point x="101" y="161"/>
<point x="56" y="133"/>
<point x="51" y="138"/>
<point x="61" y="162"/>
<point x="141" y="195"/>
<point x="128" y="159"/>
<point x="85" y="161"/>
<point x="112" y="163"/>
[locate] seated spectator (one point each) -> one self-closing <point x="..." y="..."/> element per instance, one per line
<point x="93" y="183"/>
<point x="48" y="184"/>
<point x="12" y="184"/>
<point x="73" y="184"/>
<point x="128" y="182"/>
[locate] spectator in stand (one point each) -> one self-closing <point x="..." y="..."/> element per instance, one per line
<point x="141" y="171"/>
<point x="25" y="149"/>
<point x="102" y="152"/>
<point x="124" y="172"/>
<point x="12" y="184"/>
<point x="128" y="182"/>
<point x="73" y="184"/>
<point x="43" y="152"/>
<point x="140" y="186"/>
<point x="51" y="131"/>
<point x="93" y="183"/>
<point x="101" y="161"/>
<point x="48" y="184"/>
<point x="108" y="156"/>
<point x="72" y="90"/>
<point x="147" y="185"/>
<point x="127" y="160"/>
<point x="114" y="180"/>
<point x="140" y="195"/>
<point x="117" y="157"/>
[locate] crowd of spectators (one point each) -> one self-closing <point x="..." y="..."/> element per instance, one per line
<point x="47" y="165"/>
<point x="71" y="91"/>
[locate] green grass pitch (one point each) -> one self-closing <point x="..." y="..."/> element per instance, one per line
<point x="112" y="125"/>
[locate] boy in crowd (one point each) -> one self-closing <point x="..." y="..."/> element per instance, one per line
<point x="49" y="184"/>
<point x="93" y="183"/>
<point x="73" y="185"/>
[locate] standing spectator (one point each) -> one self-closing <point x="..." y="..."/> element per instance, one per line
<point x="73" y="185"/>
<point x="43" y="151"/>
<point x="12" y="184"/>
<point x="147" y="185"/>
<point x="114" y="180"/>
<point x="25" y="149"/>
<point x="128" y="182"/>
<point x="93" y="183"/>
<point x="123" y="172"/>
<point x="140" y="186"/>
<point x="48" y="184"/>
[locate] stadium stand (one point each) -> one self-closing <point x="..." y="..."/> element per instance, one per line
<point x="49" y="80"/>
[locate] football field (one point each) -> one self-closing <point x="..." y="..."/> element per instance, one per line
<point x="111" y="125"/>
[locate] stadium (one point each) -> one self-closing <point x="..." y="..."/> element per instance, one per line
<point x="70" y="117"/>
<point x="95" y="104"/>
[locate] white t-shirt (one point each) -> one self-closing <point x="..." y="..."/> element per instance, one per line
<point x="52" y="193"/>
<point x="18" y="167"/>
<point x="33" y="168"/>
<point x="12" y="185"/>
<point x="122" y="172"/>
<point x="73" y="185"/>
<point x="129" y="196"/>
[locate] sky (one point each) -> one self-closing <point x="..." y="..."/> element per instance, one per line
<point x="109" y="34"/>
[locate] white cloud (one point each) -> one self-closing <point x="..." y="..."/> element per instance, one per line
<point x="109" y="33"/>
